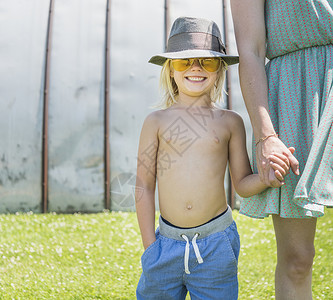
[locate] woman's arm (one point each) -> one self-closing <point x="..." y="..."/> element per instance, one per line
<point x="146" y="180"/>
<point x="249" y="23"/>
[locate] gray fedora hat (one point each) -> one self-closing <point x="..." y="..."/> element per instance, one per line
<point x="194" y="38"/>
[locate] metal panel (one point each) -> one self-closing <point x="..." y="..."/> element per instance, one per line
<point x="76" y="96"/>
<point x="76" y="169"/>
<point x="23" y="27"/>
<point x="136" y="34"/>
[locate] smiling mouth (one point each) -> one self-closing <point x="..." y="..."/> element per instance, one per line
<point x="195" y="78"/>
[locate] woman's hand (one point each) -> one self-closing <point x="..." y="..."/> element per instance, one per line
<point x="279" y="166"/>
<point x="273" y="153"/>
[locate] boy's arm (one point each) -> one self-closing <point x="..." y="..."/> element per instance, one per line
<point x="146" y="179"/>
<point x="245" y="182"/>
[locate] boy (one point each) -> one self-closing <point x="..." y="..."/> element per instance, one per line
<point x="186" y="147"/>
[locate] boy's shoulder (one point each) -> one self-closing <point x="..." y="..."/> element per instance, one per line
<point x="161" y="114"/>
<point x="155" y="116"/>
<point x="230" y="116"/>
<point x="154" y="119"/>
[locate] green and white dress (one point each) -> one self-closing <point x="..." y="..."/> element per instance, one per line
<point x="300" y="83"/>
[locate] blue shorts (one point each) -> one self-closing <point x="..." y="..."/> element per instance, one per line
<point x="202" y="260"/>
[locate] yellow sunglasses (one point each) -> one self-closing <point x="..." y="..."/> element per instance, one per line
<point x="211" y="64"/>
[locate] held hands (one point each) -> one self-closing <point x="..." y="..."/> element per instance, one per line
<point x="279" y="166"/>
<point x="274" y="161"/>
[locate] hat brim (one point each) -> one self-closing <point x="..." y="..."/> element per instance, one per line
<point x="160" y="59"/>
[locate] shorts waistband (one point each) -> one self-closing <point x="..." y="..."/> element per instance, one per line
<point x="217" y="225"/>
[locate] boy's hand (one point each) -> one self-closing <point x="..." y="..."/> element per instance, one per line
<point x="280" y="166"/>
<point x="146" y="244"/>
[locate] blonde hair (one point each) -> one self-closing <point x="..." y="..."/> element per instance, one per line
<point x="169" y="87"/>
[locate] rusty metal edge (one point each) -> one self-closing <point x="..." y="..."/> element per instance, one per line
<point x="46" y="110"/>
<point x="107" y="191"/>
<point x="166" y="22"/>
<point x="231" y="194"/>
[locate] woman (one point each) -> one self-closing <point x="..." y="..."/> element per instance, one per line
<point x="291" y="104"/>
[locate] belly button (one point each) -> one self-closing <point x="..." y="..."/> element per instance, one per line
<point x="189" y="206"/>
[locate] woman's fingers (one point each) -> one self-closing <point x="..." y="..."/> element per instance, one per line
<point x="273" y="149"/>
<point x="280" y="164"/>
<point x="294" y="165"/>
<point x="264" y="170"/>
<point x="281" y="161"/>
<point x="276" y="177"/>
<point x="292" y="150"/>
<point x="280" y="177"/>
<point x="281" y="170"/>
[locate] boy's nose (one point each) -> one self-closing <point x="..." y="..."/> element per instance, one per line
<point x="196" y="64"/>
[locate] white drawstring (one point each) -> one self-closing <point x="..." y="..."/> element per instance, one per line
<point x="196" y="249"/>
<point x="187" y="251"/>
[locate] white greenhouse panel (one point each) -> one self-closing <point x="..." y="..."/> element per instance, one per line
<point x="76" y="158"/>
<point x="76" y="117"/>
<point x="137" y="33"/>
<point x="23" y="27"/>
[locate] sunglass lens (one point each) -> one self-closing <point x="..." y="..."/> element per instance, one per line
<point x="210" y="64"/>
<point x="181" y="65"/>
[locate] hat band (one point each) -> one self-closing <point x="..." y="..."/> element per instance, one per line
<point x="195" y="41"/>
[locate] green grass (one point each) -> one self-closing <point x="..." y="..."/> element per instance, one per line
<point x="258" y="258"/>
<point x="98" y="256"/>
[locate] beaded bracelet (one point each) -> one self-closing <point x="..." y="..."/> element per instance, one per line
<point x="266" y="137"/>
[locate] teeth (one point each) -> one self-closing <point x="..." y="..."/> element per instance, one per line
<point x="196" y="78"/>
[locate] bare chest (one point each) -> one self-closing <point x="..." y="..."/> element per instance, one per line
<point x="185" y="141"/>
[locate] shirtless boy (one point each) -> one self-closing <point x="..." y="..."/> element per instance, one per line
<point x="186" y="147"/>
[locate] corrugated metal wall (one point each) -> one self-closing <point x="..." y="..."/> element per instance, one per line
<point x="76" y="159"/>
<point x="137" y="31"/>
<point x="76" y="119"/>
<point x="23" y="26"/>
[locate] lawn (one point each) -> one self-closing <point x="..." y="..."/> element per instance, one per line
<point x="97" y="256"/>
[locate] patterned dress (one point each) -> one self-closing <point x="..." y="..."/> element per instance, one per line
<point x="300" y="81"/>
